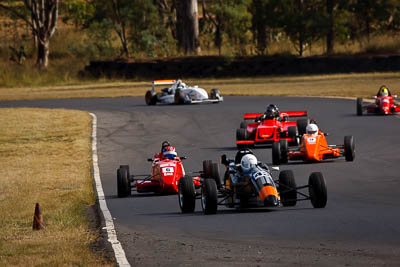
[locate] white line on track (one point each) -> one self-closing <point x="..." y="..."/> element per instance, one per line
<point x="109" y="224"/>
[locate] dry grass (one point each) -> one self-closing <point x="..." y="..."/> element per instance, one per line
<point x="344" y="85"/>
<point x="45" y="158"/>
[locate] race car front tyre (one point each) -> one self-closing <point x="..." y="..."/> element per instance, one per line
<point x="215" y="94"/>
<point x="302" y="125"/>
<point x="284" y="150"/>
<point x="179" y="98"/>
<point x="359" y="106"/>
<point x="287" y="188"/>
<point x="349" y="153"/>
<point x="151" y="98"/>
<point x="276" y="153"/>
<point x="209" y="196"/>
<point x="294" y="134"/>
<point x="242" y="135"/>
<point x="123" y="182"/>
<point x="317" y="190"/>
<point x="186" y="194"/>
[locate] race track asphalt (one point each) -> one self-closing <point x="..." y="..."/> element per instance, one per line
<point x="360" y="224"/>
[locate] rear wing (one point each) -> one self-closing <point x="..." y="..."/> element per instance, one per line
<point x="249" y="116"/>
<point x="161" y="82"/>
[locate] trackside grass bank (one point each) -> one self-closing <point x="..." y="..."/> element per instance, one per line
<point x="46" y="158"/>
<point x="341" y="85"/>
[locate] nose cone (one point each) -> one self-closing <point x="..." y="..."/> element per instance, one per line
<point x="270" y="201"/>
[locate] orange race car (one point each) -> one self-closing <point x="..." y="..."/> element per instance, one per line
<point x="313" y="147"/>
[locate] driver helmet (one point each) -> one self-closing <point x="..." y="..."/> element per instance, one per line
<point x="312" y="129"/>
<point x="241" y="153"/>
<point x="271" y="111"/>
<point x="169" y="152"/>
<point x="248" y="162"/>
<point x="383" y="91"/>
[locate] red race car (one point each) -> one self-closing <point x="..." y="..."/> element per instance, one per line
<point x="167" y="169"/>
<point x="313" y="148"/>
<point x="270" y="127"/>
<point x="383" y="105"/>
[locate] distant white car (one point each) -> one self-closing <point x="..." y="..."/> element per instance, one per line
<point x="180" y="93"/>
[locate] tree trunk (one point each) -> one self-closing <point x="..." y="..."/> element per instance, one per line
<point x="330" y="34"/>
<point x="43" y="54"/>
<point x="190" y="34"/>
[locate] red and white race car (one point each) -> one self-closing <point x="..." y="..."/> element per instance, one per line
<point x="166" y="170"/>
<point x="383" y="105"/>
<point x="270" y="127"/>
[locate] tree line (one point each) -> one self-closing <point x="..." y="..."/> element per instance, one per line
<point x="157" y="25"/>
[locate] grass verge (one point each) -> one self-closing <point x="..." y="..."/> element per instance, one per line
<point x="341" y="85"/>
<point x="46" y="158"/>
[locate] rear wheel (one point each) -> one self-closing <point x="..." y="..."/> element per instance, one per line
<point x="151" y="98"/>
<point x="244" y="124"/>
<point x="349" y="148"/>
<point x="302" y="125"/>
<point x="287" y="188"/>
<point x="123" y="181"/>
<point x="293" y="133"/>
<point x="186" y="194"/>
<point x="179" y="98"/>
<point x="276" y="153"/>
<point x="284" y="150"/>
<point x="209" y="196"/>
<point x="211" y="170"/>
<point x="317" y="190"/>
<point x="359" y="106"/>
<point x="242" y="135"/>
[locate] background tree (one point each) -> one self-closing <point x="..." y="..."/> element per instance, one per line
<point x="42" y="18"/>
<point x="187" y="17"/>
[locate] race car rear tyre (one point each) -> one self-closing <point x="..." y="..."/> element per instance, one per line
<point x="359" y="106"/>
<point x="123" y="182"/>
<point x="349" y="153"/>
<point x="276" y="153"/>
<point x="209" y="196"/>
<point x="302" y="125"/>
<point x="284" y="150"/>
<point x="151" y="98"/>
<point x="242" y="135"/>
<point x="179" y="98"/>
<point x="186" y="194"/>
<point x="244" y="124"/>
<point x="287" y="188"/>
<point x="294" y="134"/>
<point x="214" y="93"/>
<point x="215" y="174"/>
<point x="317" y="190"/>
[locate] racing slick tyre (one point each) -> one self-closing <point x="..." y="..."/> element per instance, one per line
<point x="302" y="125"/>
<point x="207" y="168"/>
<point x="349" y="148"/>
<point x="287" y="188"/>
<point x="123" y="182"/>
<point x="317" y="190"/>
<point x="359" y="106"/>
<point x="215" y="174"/>
<point x="294" y="134"/>
<point x="209" y="196"/>
<point x="215" y="94"/>
<point x="151" y="98"/>
<point x="284" y="150"/>
<point x="186" y="194"/>
<point x="179" y="98"/>
<point x="244" y="124"/>
<point x="242" y="135"/>
<point x="276" y="153"/>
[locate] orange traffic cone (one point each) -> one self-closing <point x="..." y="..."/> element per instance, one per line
<point x="37" y="218"/>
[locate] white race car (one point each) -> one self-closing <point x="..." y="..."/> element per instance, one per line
<point x="180" y="93"/>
